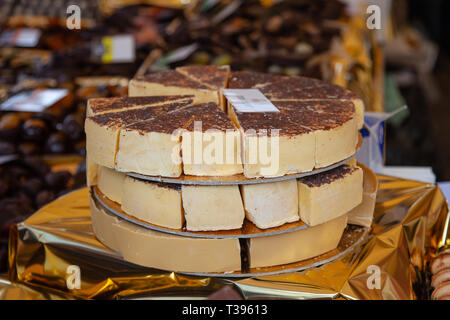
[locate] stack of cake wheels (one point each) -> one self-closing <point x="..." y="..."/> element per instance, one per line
<point x="183" y="180"/>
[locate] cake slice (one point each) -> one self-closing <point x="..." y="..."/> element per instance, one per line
<point x="156" y="203"/>
<point x="209" y="208"/>
<point x="333" y="123"/>
<point x="172" y="82"/>
<point x="304" y="89"/>
<point x="362" y="214"/>
<point x="210" y="143"/>
<point x="251" y="80"/>
<point x="328" y="195"/>
<point x="270" y="205"/>
<point x="98" y="106"/>
<point x="214" y="77"/>
<point x="110" y="183"/>
<point x="102" y="130"/>
<point x="273" y="144"/>
<point x="297" y="245"/>
<point x="154" y="146"/>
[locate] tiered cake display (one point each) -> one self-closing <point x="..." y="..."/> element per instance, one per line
<point x="184" y="179"/>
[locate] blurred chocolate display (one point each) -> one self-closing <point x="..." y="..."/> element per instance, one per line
<point x="21" y="67"/>
<point x="270" y="36"/>
<point x="55" y="130"/>
<point x="26" y="185"/>
<point x="281" y="38"/>
<point x="58" y="129"/>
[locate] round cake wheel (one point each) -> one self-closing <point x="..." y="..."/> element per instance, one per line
<point x="226" y="257"/>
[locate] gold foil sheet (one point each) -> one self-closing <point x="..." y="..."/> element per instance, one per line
<point x="410" y="225"/>
<point x="16" y="291"/>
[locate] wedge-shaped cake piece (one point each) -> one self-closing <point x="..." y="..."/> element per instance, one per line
<point x="98" y="106"/>
<point x="102" y="131"/>
<point x="362" y="214"/>
<point x="325" y="196"/>
<point x="164" y="251"/>
<point x="156" y="203"/>
<point x="110" y="183"/>
<point x="333" y="123"/>
<point x="270" y="205"/>
<point x="172" y="82"/>
<point x="279" y="88"/>
<point x="273" y="144"/>
<point x="303" y="89"/>
<point x="335" y="141"/>
<point x="210" y="143"/>
<point x="210" y="208"/>
<point x="214" y="77"/>
<point x="252" y="80"/>
<point x="297" y="245"/>
<point x="153" y="146"/>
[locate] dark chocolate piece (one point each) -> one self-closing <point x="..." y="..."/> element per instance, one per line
<point x="9" y="126"/>
<point x="34" y="130"/>
<point x="56" y="143"/>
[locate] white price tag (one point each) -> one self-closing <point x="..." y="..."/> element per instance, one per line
<point x="24" y="37"/>
<point x="118" y="49"/>
<point x="7" y="158"/>
<point x="33" y="101"/>
<point x="249" y="100"/>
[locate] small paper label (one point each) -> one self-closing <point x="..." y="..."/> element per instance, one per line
<point x="249" y="100"/>
<point x="7" y="158"/>
<point x="118" y="49"/>
<point x="24" y="37"/>
<point x="33" y="101"/>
